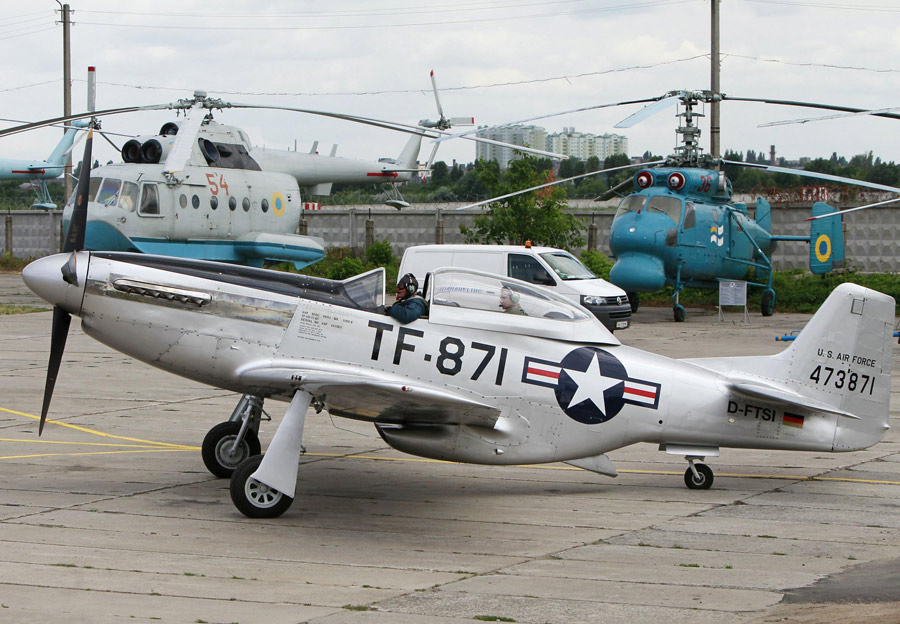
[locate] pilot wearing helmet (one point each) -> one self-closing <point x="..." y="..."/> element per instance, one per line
<point x="509" y="301"/>
<point x="409" y="305"/>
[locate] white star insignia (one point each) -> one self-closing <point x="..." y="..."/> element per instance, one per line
<point x="591" y="385"/>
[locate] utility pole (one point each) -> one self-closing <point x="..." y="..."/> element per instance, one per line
<point x="714" y="119"/>
<point x="67" y="87"/>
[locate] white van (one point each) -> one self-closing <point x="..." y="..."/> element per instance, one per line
<point x="553" y="268"/>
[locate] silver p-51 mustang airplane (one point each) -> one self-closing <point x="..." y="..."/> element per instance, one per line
<point x="466" y="383"/>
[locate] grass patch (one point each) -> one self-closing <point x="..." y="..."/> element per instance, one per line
<point x="8" y="308"/>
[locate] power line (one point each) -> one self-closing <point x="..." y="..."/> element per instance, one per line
<point x="822" y="5"/>
<point x="810" y="64"/>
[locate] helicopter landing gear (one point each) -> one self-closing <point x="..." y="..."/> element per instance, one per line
<point x="229" y="443"/>
<point x="698" y="476"/>
<point x="679" y="313"/>
<point x="634" y="300"/>
<point x="767" y="307"/>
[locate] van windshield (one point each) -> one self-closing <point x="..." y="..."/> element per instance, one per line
<point x="567" y="266"/>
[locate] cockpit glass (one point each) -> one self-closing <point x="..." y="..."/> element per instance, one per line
<point x="128" y="196"/>
<point x="92" y="190"/>
<point x="632" y="203"/>
<point x="487" y="293"/>
<point x="366" y="290"/>
<point x="567" y="266"/>
<point x="109" y="190"/>
<point x="689" y="216"/>
<point x="668" y="205"/>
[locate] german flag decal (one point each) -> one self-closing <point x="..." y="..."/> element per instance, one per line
<point x="793" y="420"/>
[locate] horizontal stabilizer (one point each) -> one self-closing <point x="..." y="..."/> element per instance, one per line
<point x="786" y="398"/>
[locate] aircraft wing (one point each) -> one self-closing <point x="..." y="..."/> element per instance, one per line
<point x="365" y="396"/>
<point x="785" y="397"/>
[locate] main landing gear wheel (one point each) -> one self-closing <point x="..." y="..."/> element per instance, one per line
<point x="679" y="313"/>
<point x="218" y="452"/>
<point x="767" y="307"/>
<point x="255" y="499"/>
<point x="634" y="300"/>
<point x="703" y="480"/>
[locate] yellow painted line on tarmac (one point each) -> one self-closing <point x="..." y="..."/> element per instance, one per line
<point x="137" y="445"/>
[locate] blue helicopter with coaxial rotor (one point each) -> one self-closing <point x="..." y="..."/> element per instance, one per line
<point x="680" y="227"/>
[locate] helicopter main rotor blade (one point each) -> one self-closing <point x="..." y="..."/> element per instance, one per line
<point x="843" y="212"/>
<point x="614" y="190"/>
<point x="540" y="186"/>
<point x="74" y="241"/>
<point x="184" y="140"/>
<point x="804" y="120"/>
<point x="844" y="109"/>
<point x="647" y="111"/>
<point x="814" y="174"/>
<point x="549" y="115"/>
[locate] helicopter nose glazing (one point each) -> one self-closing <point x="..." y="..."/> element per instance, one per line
<point x="59" y="279"/>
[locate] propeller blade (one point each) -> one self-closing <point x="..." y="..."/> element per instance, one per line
<point x="436" y="98"/>
<point x="647" y="111"/>
<point x="540" y="186"/>
<point x="58" y="335"/>
<point x="184" y="140"/>
<point x="75" y="236"/>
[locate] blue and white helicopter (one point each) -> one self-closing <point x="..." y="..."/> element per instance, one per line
<point x="39" y="171"/>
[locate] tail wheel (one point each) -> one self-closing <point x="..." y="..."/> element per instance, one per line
<point x="703" y="480"/>
<point x="255" y="499"/>
<point x="218" y="452"/>
<point x="767" y="307"/>
<point x="678" y="313"/>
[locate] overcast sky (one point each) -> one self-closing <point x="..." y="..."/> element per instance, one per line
<point x="497" y="60"/>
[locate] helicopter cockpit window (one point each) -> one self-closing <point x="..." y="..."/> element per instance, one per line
<point x="632" y="203"/>
<point x="232" y="156"/>
<point x="92" y="191"/>
<point x="149" y="200"/>
<point x="689" y="216"/>
<point x="109" y="190"/>
<point x="668" y="205"/>
<point x="128" y="196"/>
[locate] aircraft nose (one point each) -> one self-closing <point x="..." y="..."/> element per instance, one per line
<point x="59" y="279"/>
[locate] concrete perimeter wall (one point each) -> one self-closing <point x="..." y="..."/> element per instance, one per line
<point x="872" y="237"/>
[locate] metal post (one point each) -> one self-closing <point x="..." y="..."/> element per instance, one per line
<point x="593" y="234"/>
<point x="67" y="87"/>
<point x="370" y="233"/>
<point x="354" y="241"/>
<point x="9" y="235"/>
<point x="714" y="119"/>
<point x="303" y="226"/>
<point x="439" y="228"/>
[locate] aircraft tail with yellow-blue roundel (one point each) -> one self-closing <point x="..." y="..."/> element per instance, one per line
<point x="826" y="240"/>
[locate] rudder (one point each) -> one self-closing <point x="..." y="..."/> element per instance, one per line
<point x="826" y="240"/>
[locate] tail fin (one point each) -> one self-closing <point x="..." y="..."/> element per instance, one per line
<point x="408" y="158"/>
<point x="764" y="214"/>
<point x="60" y="153"/>
<point x="837" y="370"/>
<point x="826" y="240"/>
<point x="843" y="358"/>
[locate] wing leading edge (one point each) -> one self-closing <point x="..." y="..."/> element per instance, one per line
<point x="363" y="396"/>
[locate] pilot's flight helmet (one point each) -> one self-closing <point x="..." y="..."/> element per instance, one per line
<point x="410" y="283"/>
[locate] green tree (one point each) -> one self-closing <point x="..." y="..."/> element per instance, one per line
<point x="536" y="216"/>
<point x="439" y="174"/>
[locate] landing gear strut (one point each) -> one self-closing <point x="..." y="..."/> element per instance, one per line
<point x="229" y="443"/>
<point x="698" y="476"/>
